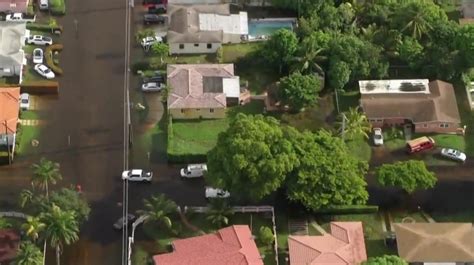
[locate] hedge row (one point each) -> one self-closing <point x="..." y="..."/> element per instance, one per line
<point x="186" y="158"/>
<point x="349" y="209"/>
<point x="40" y="87"/>
<point x="44" y="27"/>
<point x="57" y="7"/>
<point x="48" y="53"/>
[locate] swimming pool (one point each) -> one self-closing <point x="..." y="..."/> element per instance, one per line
<point x="266" y="27"/>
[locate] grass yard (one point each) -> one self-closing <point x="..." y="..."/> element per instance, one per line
<point x="235" y="52"/>
<point x="27" y="134"/>
<point x="360" y="148"/>
<point x="450" y="140"/>
<point x="464" y="216"/>
<point x="29" y="115"/>
<point x="152" y="142"/>
<point x="372" y="223"/>
<point x="407" y="217"/>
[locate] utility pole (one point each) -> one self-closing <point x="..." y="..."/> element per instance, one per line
<point x="343" y="127"/>
<point x="8" y="143"/>
<point x="337" y="101"/>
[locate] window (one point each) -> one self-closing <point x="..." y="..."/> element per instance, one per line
<point x="209" y="45"/>
<point x="425" y="125"/>
<point x="211" y="110"/>
<point x="444" y="125"/>
<point x="181" y="46"/>
<point x="196" y="44"/>
<point x="182" y="110"/>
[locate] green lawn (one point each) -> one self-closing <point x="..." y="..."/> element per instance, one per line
<point x="150" y="143"/>
<point x="29" y="115"/>
<point x="374" y="235"/>
<point x="404" y="216"/>
<point x="464" y="216"/>
<point x="450" y="140"/>
<point x="360" y="148"/>
<point x="234" y="52"/>
<point x="26" y="135"/>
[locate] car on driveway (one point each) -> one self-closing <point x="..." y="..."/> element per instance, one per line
<point x="453" y="154"/>
<point x="152" y="87"/>
<point x="44" y="71"/>
<point x="378" y="137"/>
<point x="18" y="17"/>
<point x="153" y="19"/>
<point x="150" y="40"/>
<point x="157" y="78"/>
<point x="37" y="55"/>
<point x="212" y="193"/>
<point x="39" y="40"/>
<point x="25" y="101"/>
<point x="138" y="175"/>
<point x="157" y="9"/>
<point x="122" y="222"/>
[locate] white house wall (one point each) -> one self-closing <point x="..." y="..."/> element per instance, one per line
<point x="191" y="48"/>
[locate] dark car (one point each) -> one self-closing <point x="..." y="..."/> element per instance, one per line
<point x="158" y="9"/>
<point x="122" y="222"/>
<point x="157" y="78"/>
<point x="153" y="19"/>
<point x="153" y="2"/>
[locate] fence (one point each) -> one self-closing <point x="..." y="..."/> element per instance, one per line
<point x="14" y="215"/>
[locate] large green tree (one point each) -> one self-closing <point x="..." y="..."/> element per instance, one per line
<point x="4" y="223"/>
<point x="385" y="260"/>
<point x="61" y="228"/>
<point x="251" y="158"/>
<point x="280" y="48"/>
<point x="411" y="51"/>
<point x="409" y="175"/>
<point x="159" y="209"/>
<point x="299" y="91"/>
<point x="465" y="44"/>
<point x="353" y="123"/>
<point x="71" y="200"/>
<point x="28" y="254"/>
<point x="44" y="173"/>
<point x="326" y="173"/>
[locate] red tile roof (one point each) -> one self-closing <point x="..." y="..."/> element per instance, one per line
<point x="9" y="108"/>
<point x="232" y="245"/>
<point x="344" y="246"/>
<point x="9" y="242"/>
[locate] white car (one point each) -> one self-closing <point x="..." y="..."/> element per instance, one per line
<point x="18" y="17"/>
<point x="138" y="175"/>
<point x="152" y="87"/>
<point x="216" y="193"/>
<point x="150" y="40"/>
<point x="39" y="40"/>
<point x="453" y="154"/>
<point x="378" y="136"/>
<point x="44" y="71"/>
<point x="122" y="222"/>
<point x="37" y="55"/>
<point x="25" y="101"/>
<point x="193" y="171"/>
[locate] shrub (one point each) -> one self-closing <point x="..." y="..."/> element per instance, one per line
<point x="186" y="158"/>
<point x="349" y="209"/>
<point x="30" y="10"/>
<point x="44" y="27"/>
<point x="57" y="7"/>
<point x="48" y="53"/>
<point x="140" y="66"/>
<point x="265" y="236"/>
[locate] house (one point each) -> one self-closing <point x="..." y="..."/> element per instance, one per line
<point x="202" y="90"/>
<point x="237" y="2"/>
<point x="12" y="56"/>
<point x="204" y="28"/>
<point x="467" y="12"/>
<point x="15" y="6"/>
<point x="9" y="112"/>
<point x="436" y="243"/>
<point x="9" y="243"/>
<point x="344" y="245"/>
<point x="232" y="245"/>
<point x="430" y="107"/>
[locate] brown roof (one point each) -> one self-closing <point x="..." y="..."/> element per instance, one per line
<point x="438" y="106"/>
<point x="184" y="23"/>
<point x="194" y="85"/>
<point x="345" y="245"/>
<point x="9" y="108"/>
<point x="232" y="245"/>
<point x="9" y="242"/>
<point x="435" y="242"/>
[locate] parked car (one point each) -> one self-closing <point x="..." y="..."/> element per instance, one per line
<point x="157" y="9"/>
<point x="25" y="101"/>
<point x="150" y="40"/>
<point x="420" y="144"/>
<point x="37" y="55"/>
<point x="138" y="175"/>
<point x="378" y="136"/>
<point x="122" y="222"/>
<point x="18" y="17"/>
<point x="44" y="71"/>
<point x="453" y="154"/>
<point x="148" y="3"/>
<point x="157" y="78"/>
<point x="152" y="87"/>
<point x="193" y="171"/>
<point x="39" y="40"/>
<point x="153" y="19"/>
<point x="43" y="5"/>
<point x="216" y="193"/>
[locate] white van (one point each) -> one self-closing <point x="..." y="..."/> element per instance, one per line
<point x="215" y="193"/>
<point x="193" y="171"/>
<point x="43" y="5"/>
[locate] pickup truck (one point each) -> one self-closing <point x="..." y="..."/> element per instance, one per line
<point x="19" y="17"/>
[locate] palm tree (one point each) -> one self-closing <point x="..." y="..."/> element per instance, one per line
<point x="33" y="227"/>
<point x="61" y="228"/>
<point x="417" y="23"/>
<point x="219" y="212"/>
<point x="44" y="173"/>
<point x="26" y="197"/>
<point x="310" y="57"/>
<point x="158" y="209"/>
<point x="28" y="254"/>
<point x="4" y="223"/>
<point x="353" y="123"/>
